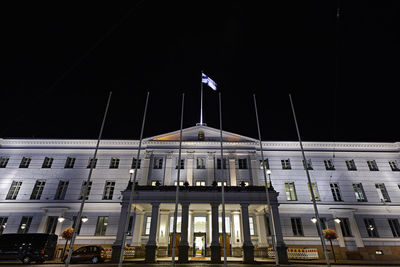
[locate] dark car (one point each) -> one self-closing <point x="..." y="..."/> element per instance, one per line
<point x="94" y="254"/>
<point x="28" y="247"/>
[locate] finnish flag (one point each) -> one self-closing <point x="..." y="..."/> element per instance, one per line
<point x="207" y="80"/>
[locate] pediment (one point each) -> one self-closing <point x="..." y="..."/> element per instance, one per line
<point x="201" y="133"/>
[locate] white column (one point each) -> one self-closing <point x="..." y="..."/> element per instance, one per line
<point x="136" y="240"/>
<point x="261" y="230"/>
<point x="232" y="170"/>
<point x="355" y="231"/>
<point x="210" y="168"/>
<point x="254" y="169"/>
<point x="168" y="169"/>
<point x="163" y="232"/>
<point x="189" y="172"/>
<point x="209" y="233"/>
<point x="236" y="231"/>
<point x="146" y="168"/>
<point x="42" y="224"/>
<point x="190" y="229"/>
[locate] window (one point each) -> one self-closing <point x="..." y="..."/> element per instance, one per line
<point x="3" y="224"/>
<point x="51" y="224"/>
<point x="199" y="224"/>
<point x="315" y="191"/>
<point x="201" y="163"/>
<point x="38" y="189"/>
<point x="154" y="183"/>
<point x="92" y="162"/>
<point x="286" y="164"/>
<point x="219" y="164"/>
<point x="266" y="217"/>
<point x="25" y="162"/>
<point x="108" y="190"/>
<point x="382" y="192"/>
<point x="371" y="227"/>
<point x="220" y="183"/>
<point x="158" y="163"/>
<point x="242" y="163"/>
<point x="74" y="224"/>
<point x="3" y="163"/>
<point x="178" y="224"/>
<point x="394" y="226"/>
<point x="308" y="165"/>
<point x="351" y="165"/>
<point x="290" y="191"/>
<point x="335" y="192"/>
<point x="14" y="189"/>
<point x="245" y="183"/>
<point x="297" y="227"/>
<point x="147" y="225"/>
<point x="180" y="183"/>
<point x="114" y="163"/>
<point x="69" y="163"/>
<point x="47" y="162"/>
<point x="345" y="226"/>
<point x="324" y="223"/>
<point x="84" y="183"/>
<point x="372" y="165"/>
<point x="134" y="161"/>
<point x="329" y="165"/>
<point x="251" y="225"/>
<point x="130" y="226"/>
<point x="61" y="190"/>
<point x="101" y="226"/>
<point x="200" y="183"/>
<point x="24" y="225"/>
<point x="182" y="165"/>
<point x="264" y="165"/>
<point x="359" y="192"/>
<point x="227" y="224"/>
<point x="393" y="165"/>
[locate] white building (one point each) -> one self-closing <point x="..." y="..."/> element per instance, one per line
<point x="41" y="180"/>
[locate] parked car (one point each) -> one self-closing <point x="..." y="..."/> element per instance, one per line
<point x="28" y="247"/>
<point x="93" y="254"/>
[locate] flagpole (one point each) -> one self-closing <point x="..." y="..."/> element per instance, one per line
<point x="128" y="214"/>
<point x="271" y="214"/>
<point x="177" y="184"/>
<point x="201" y="100"/>
<point x="223" y="181"/>
<point x="78" y="218"/>
<point x="310" y="187"/>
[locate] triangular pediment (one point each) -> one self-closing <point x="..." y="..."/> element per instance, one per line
<point x="201" y="133"/>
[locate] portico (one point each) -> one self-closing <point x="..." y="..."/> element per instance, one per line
<point x="199" y="221"/>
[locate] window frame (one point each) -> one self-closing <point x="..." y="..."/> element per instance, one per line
<point x="336" y="193"/>
<point x="109" y="188"/>
<point x="4" y="161"/>
<point x="201" y="163"/>
<point x="351" y="165"/>
<point x="286" y="165"/>
<point x="69" y="163"/>
<point x="290" y="190"/>
<point x="61" y="190"/>
<point x="14" y="190"/>
<point x="37" y="190"/>
<point x="47" y="163"/>
<point x="358" y="188"/>
<point x="242" y="164"/>
<point x="101" y="226"/>
<point x="25" y="162"/>
<point x="297" y="226"/>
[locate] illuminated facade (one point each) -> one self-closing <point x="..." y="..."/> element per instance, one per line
<point x="41" y="180"/>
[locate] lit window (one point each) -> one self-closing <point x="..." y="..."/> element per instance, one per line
<point x="315" y="191"/>
<point x="200" y="183"/>
<point x="371" y="227"/>
<point x="148" y="224"/>
<point x="180" y="183"/>
<point x="359" y="192"/>
<point x="290" y="191"/>
<point x="24" y="225"/>
<point x="220" y="183"/>
<point x="178" y="224"/>
<point x="264" y="164"/>
<point x="227" y="224"/>
<point x="3" y="224"/>
<point x="251" y="225"/>
<point x="101" y="226"/>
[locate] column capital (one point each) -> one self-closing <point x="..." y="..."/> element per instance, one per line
<point x="169" y="154"/>
<point x="231" y="156"/>
<point x="185" y="204"/>
<point x="155" y="204"/>
<point x="148" y="154"/>
<point x="190" y="154"/>
<point x="244" y="205"/>
<point x="210" y="155"/>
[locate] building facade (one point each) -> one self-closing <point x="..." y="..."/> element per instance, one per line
<point x="358" y="183"/>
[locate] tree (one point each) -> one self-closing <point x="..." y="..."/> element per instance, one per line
<point x="67" y="235"/>
<point x="330" y="234"/>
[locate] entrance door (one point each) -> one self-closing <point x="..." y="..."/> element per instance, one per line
<point x="199" y="245"/>
<point x="228" y="244"/>
<point x="178" y="240"/>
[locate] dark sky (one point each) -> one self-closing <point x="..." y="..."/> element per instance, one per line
<point x="59" y="61"/>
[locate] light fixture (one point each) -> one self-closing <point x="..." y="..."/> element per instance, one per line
<point x="314" y="220"/>
<point x="131" y="171"/>
<point x="23" y="226"/>
<point x="4" y="225"/>
<point x="337" y="220"/>
<point x="371" y="227"/>
<point x="269" y="172"/>
<point x="61" y="219"/>
<point x="84" y="219"/>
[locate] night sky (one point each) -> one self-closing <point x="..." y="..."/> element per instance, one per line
<point x="60" y="60"/>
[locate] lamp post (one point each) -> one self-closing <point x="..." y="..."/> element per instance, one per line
<point x="131" y="171"/>
<point x="328" y="233"/>
<point x="269" y="177"/>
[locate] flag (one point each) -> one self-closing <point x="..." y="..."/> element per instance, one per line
<point x="207" y="80"/>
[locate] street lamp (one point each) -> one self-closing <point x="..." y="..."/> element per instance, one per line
<point x="269" y="177"/>
<point x="131" y="171"/>
<point x="62" y="218"/>
<point x="336" y="220"/>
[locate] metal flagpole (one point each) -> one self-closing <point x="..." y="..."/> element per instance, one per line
<point x="223" y="181"/>
<point x="128" y="214"/>
<point x="310" y="187"/>
<point x="78" y="218"/>
<point x="271" y="214"/>
<point x="177" y="184"/>
<point x="201" y="100"/>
